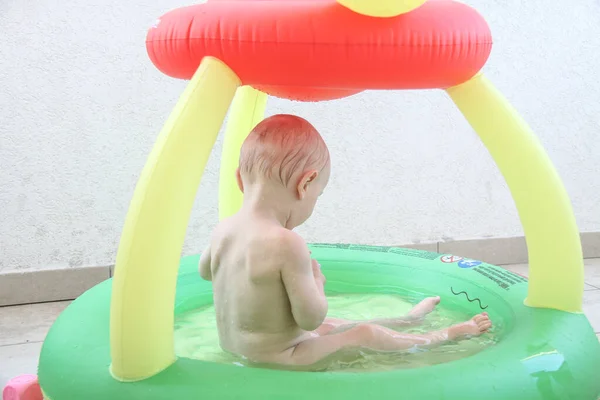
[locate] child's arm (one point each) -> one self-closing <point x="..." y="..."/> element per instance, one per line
<point x="204" y="266"/>
<point x="308" y="302"/>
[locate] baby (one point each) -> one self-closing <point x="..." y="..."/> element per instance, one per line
<point x="268" y="293"/>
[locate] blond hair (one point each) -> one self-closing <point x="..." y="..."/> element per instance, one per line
<point x="280" y="146"/>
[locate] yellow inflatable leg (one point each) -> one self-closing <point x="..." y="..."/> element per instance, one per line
<point x="143" y="296"/>
<point x="555" y="257"/>
<point x="247" y="110"/>
<point x="382" y="8"/>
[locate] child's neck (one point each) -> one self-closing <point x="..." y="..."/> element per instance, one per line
<point x="270" y="202"/>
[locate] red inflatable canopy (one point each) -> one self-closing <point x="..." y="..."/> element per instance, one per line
<point x="319" y="50"/>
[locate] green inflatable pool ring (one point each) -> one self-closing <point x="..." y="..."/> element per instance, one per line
<point x="541" y="353"/>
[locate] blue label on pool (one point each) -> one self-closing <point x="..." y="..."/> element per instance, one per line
<point x="468" y="263"/>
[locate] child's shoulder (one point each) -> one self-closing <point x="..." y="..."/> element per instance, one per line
<point x="264" y="236"/>
<point x="275" y="239"/>
<point x="289" y="243"/>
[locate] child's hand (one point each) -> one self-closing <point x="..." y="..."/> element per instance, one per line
<point x="316" y="268"/>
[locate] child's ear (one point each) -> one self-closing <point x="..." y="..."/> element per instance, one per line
<point x="238" y="178"/>
<point x="305" y="181"/>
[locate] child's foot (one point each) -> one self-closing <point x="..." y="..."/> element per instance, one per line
<point x="478" y="325"/>
<point x="424" y="307"/>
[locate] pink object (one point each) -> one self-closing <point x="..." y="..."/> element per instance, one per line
<point x="24" y="387"/>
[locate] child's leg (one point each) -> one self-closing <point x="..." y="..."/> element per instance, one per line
<point x="414" y="316"/>
<point x="379" y="338"/>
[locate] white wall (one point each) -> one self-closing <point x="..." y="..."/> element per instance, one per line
<point x="81" y="105"/>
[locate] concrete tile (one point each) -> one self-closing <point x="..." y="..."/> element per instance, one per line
<point x="432" y="247"/>
<point x="523" y="270"/>
<point x="592" y="272"/>
<point x="28" y="323"/>
<point x="591" y="307"/>
<point x="511" y="250"/>
<point x="590" y="241"/>
<point x="48" y="285"/>
<point x="18" y="360"/>
<point x="499" y="251"/>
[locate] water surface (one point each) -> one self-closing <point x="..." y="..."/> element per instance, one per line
<point x="196" y="335"/>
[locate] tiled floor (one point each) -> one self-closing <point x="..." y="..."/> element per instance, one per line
<point x="22" y="328"/>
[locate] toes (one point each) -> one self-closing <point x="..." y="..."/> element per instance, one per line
<point x="479" y="318"/>
<point x="482" y="321"/>
<point x="485" y="326"/>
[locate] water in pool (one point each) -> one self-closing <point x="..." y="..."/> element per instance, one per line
<point x="196" y="334"/>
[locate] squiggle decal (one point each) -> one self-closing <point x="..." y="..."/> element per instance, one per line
<point x="467" y="296"/>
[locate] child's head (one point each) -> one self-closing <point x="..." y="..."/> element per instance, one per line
<point x="287" y="151"/>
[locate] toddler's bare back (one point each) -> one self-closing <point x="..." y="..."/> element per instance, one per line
<point x="254" y="316"/>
